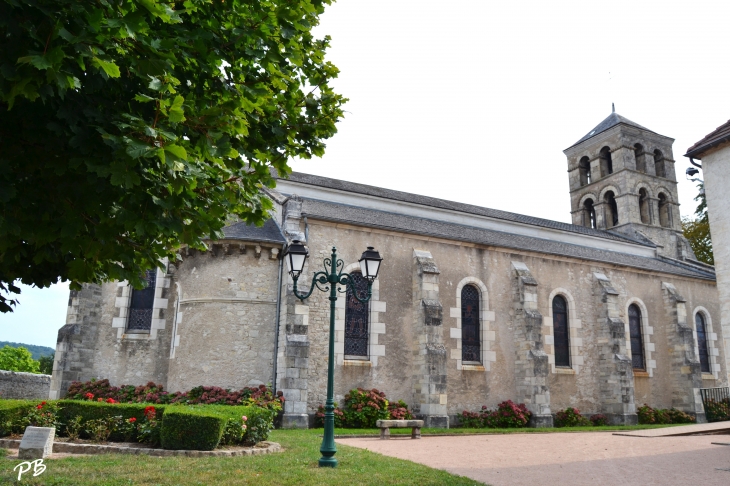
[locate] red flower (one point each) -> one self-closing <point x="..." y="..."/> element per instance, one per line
<point x="43" y="403"/>
<point x="132" y="420"/>
<point x="39" y="407"/>
<point x="110" y="400"/>
<point x="89" y="396"/>
<point x="99" y="399"/>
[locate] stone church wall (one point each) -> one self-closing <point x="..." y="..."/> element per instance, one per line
<point x="226" y="319"/>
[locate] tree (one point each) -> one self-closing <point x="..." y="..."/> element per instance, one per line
<point x="17" y="359"/>
<point x="130" y="128"/>
<point x="46" y="364"/>
<point x="697" y="229"/>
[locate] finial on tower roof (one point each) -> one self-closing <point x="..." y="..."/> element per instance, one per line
<point x="613" y="108"/>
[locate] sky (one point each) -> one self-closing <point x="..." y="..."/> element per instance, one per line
<point x="475" y="101"/>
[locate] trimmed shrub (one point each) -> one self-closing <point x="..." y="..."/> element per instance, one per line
<point x="570" y="417"/>
<point x="599" y="419"/>
<point x="13" y="415"/>
<point x="255" y="428"/>
<point x="648" y="415"/>
<point x="89" y="411"/>
<point x="365" y="407"/>
<point x="191" y="428"/>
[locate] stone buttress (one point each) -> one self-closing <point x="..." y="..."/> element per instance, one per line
<point x="685" y="366"/>
<point x="531" y="361"/>
<point x="292" y="362"/>
<point x="75" y="345"/>
<point x="429" y="380"/>
<point x="615" y="371"/>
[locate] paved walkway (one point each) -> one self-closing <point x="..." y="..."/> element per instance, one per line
<point x="713" y="428"/>
<point x="567" y="459"/>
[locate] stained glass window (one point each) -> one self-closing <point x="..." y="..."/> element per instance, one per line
<point x="140" y="309"/>
<point x="356" y="318"/>
<point x="561" y="335"/>
<point x="637" y="341"/>
<point x="470" y="340"/>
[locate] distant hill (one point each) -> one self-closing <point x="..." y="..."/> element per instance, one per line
<point x="36" y="351"/>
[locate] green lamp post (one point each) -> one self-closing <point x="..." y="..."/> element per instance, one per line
<point x="329" y="281"/>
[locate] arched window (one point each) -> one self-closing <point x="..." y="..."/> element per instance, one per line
<point x="640" y="157"/>
<point x="356" y="318"/>
<point x="589" y="214"/>
<point x="561" y="336"/>
<point x="644" y="206"/>
<point x="606" y="162"/>
<point x="702" y="342"/>
<point x="664" y="211"/>
<point x="611" y="209"/>
<point x="140" y="309"/>
<point x="659" y="164"/>
<point x="470" y="340"/>
<point x="584" y="167"/>
<point x="637" y="340"/>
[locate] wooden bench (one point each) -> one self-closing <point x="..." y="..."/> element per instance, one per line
<point x="386" y="425"/>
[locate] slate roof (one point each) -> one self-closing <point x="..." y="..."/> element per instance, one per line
<point x="611" y="120"/>
<point x="353" y="187"/>
<point x="720" y="135"/>
<point x="340" y="213"/>
<point x="268" y="233"/>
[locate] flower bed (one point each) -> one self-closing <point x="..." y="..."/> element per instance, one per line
<point x="507" y="415"/>
<point x="179" y="427"/>
<point x="363" y="408"/>
<point x="648" y="415"/>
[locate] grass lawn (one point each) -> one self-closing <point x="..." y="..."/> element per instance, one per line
<point x="297" y="465"/>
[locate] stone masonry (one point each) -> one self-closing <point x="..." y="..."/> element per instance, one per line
<point x="531" y="361"/>
<point x="429" y="381"/>
<point x="686" y="373"/>
<point x="615" y="374"/>
<point x="27" y="386"/>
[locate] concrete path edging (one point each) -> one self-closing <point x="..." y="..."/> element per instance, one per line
<point x="71" y="448"/>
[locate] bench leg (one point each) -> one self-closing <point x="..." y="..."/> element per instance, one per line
<point x="385" y="433"/>
<point x="416" y="433"/>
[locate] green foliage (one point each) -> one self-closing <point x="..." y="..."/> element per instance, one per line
<point x="70" y="409"/>
<point x="35" y="350"/>
<point x="697" y="229"/>
<point x="570" y="417"/>
<point x="648" y="415"/>
<point x="365" y="407"/>
<point x="507" y="415"/>
<point x="100" y="429"/>
<point x="44" y="414"/>
<point x="255" y="428"/>
<point x="45" y="364"/>
<point x="73" y="428"/>
<point x="599" y="420"/>
<point x="191" y="428"/>
<point x="13" y="415"/>
<point x="717" y="410"/>
<point x="17" y="359"/>
<point x="132" y="128"/>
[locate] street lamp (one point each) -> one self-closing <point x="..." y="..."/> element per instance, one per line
<point x="296" y="255"/>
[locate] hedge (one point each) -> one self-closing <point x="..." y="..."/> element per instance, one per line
<point x="96" y="410"/>
<point x="11" y="411"/>
<point x="192" y="428"/>
<point x="259" y="424"/>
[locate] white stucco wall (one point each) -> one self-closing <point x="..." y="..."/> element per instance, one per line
<point x="716" y="168"/>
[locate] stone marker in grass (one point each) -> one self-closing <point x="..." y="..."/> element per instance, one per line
<point x="37" y="443"/>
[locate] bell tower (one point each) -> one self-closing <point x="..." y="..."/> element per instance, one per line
<point x="622" y="179"/>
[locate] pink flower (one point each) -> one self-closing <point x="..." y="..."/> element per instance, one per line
<point x="244" y="418"/>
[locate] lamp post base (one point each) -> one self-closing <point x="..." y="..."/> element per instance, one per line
<point x="327" y="461"/>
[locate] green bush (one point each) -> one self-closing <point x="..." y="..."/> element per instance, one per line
<point x="363" y="408"/>
<point x="570" y="417"/>
<point x="648" y="415"/>
<point x="89" y="411"/>
<point x="259" y="422"/>
<point x="13" y="415"/>
<point x="192" y="428"/>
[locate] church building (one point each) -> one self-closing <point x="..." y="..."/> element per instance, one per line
<point x="472" y="306"/>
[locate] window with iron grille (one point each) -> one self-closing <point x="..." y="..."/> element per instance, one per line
<point x="561" y="335"/>
<point x="470" y="340"/>
<point x="701" y="329"/>
<point x="356" y="318"/>
<point x="637" y="340"/>
<point x="140" y="309"/>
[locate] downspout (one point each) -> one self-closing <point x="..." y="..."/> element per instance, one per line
<point x="278" y="320"/>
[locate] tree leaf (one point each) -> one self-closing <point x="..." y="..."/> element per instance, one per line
<point x="111" y="69"/>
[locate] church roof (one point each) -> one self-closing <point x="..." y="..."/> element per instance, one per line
<point x="268" y="233"/>
<point x="353" y="187"/>
<point x="720" y="135"/>
<point x="611" y="121"/>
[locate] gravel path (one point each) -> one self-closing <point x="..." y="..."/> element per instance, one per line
<point x="566" y="459"/>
